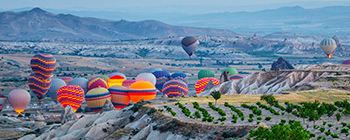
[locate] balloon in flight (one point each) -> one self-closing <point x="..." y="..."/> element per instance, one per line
<point x="43" y="65"/>
<point x="231" y="71"/>
<point x="81" y="82"/>
<point x="39" y="86"/>
<point x="151" y="70"/>
<point x="190" y="44"/>
<point x="71" y="95"/>
<point x="117" y="73"/>
<point x="115" y="80"/>
<point x="127" y="83"/>
<point x="19" y="99"/>
<point x="236" y="77"/>
<point x="328" y="46"/>
<point x="67" y="79"/>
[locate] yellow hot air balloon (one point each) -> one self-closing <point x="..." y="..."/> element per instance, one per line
<point x="96" y="98"/>
<point x="115" y="80"/>
<point x="142" y="90"/>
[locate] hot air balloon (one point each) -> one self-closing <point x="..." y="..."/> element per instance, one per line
<point x="19" y="99"/>
<point x="104" y="77"/>
<point x="179" y="76"/>
<point x="119" y="96"/>
<point x="43" y="65"/>
<point x="2" y="101"/>
<point x="116" y="73"/>
<point x="231" y="71"/>
<point x="147" y="77"/>
<point x="115" y="80"/>
<point x="201" y="83"/>
<point x="205" y="73"/>
<point x="67" y="79"/>
<point x="127" y="83"/>
<point x="236" y="77"/>
<point x="190" y="44"/>
<point x="175" y="88"/>
<point x="56" y="84"/>
<point x="71" y="95"/>
<point x="142" y="90"/>
<point x="97" y="82"/>
<point x="161" y="77"/>
<point x="96" y="98"/>
<point x="39" y="86"/>
<point x="81" y="82"/>
<point x="328" y="46"/>
<point x="346" y="62"/>
<point x="151" y="70"/>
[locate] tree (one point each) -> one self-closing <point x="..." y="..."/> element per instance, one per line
<point x="338" y="116"/>
<point x="216" y="95"/>
<point x="269" y="99"/>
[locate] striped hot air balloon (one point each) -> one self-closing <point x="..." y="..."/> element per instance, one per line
<point x="43" y="65"/>
<point x="67" y="79"/>
<point x="56" y="84"/>
<point x="71" y="95"/>
<point x="127" y="83"/>
<point x="115" y="80"/>
<point x="179" y="76"/>
<point x="175" y="88"/>
<point x="81" y="82"/>
<point x="19" y="99"/>
<point x="104" y="77"/>
<point x="205" y="73"/>
<point x="190" y="44"/>
<point x="201" y="83"/>
<point x="142" y="90"/>
<point x="236" y="77"/>
<point x="162" y="77"/>
<point x="97" y="82"/>
<point x="346" y="62"/>
<point x="2" y="101"/>
<point x="119" y="96"/>
<point x="39" y="86"/>
<point x="96" y="98"/>
<point x="328" y="46"/>
<point x="147" y="77"/>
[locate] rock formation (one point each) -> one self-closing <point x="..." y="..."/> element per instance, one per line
<point x="224" y="77"/>
<point x="209" y="85"/>
<point x="281" y="64"/>
<point x="68" y="115"/>
<point x="38" y="116"/>
<point x="108" y="106"/>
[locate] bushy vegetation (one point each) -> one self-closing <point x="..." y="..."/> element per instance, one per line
<point x="184" y="110"/>
<point x="239" y="112"/>
<point x="170" y="110"/>
<point x="293" y="131"/>
<point x="206" y="115"/>
<point x="220" y="111"/>
<point x="253" y="108"/>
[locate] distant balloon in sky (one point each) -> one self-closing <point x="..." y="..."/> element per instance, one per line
<point x="43" y="65"/>
<point x="231" y="71"/>
<point x="190" y="44"/>
<point x="104" y="77"/>
<point x="328" y="46"/>
<point x="19" y="99"/>
<point x="236" y="77"/>
<point x="127" y="83"/>
<point x="2" y="101"/>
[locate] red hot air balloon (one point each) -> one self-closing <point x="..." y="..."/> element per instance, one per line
<point x="43" y="65"/>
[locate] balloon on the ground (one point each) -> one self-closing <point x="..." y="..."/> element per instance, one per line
<point x="119" y="96"/>
<point x="328" y="46"/>
<point x="43" y="65"/>
<point x="19" y="99"/>
<point x="151" y="70"/>
<point x="201" y="83"/>
<point x="71" y="95"/>
<point x="56" y="84"/>
<point x="96" y="98"/>
<point x="67" y="79"/>
<point x="231" y="71"/>
<point x="116" y="73"/>
<point x="127" y="83"/>
<point x="142" y="90"/>
<point x="2" y="101"/>
<point x="175" y="88"/>
<point x="236" y="77"/>
<point x="190" y="44"/>
<point x="115" y="80"/>
<point x="161" y="77"/>
<point x="81" y="82"/>
<point x="147" y="77"/>
<point x="205" y="73"/>
<point x="346" y="62"/>
<point x="179" y="76"/>
<point x="97" y="82"/>
<point x="39" y="86"/>
<point x="104" y="77"/>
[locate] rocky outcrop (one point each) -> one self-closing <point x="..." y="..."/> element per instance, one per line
<point x="68" y="115"/>
<point x="281" y="64"/>
<point x="224" y="77"/>
<point x="38" y="116"/>
<point x="108" y="106"/>
<point x="209" y="85"/>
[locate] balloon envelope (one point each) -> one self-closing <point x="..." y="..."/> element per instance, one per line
<point x="328" y="46"/>
<point x="67" y="79"/>
<point x="236" y="77"/>
<point x="201" y="83"/>
<point x="97" y="82"/>
<point x="127" y="83"/>
<point x="119" y="96"/>
<point x="175" y="88"/>
<point x="19" y="99"/>
<point x="81" y="82"/>
<point x="346" y="62"/>
<point x="179" y="76"/>
<point x="116" y="73"/>
<point x="96" y="98"/>
<point x="115" y="80"/>
<point x="142" y="90"/>
<point x="39" y="86"/>
<point x="161" y="77"/>
<point x="56" y="84"/>
<point x="71" y="95"/>
<point x="147" y="77"/>
<point x="43" y="65"/>
<point x="104" y="77"/>
<point x="231" y="71"/>
<point x="205" y="73"/>
<point x="151" y="70"/>
<point x="190" y="44"/>
<point x="2" y="101"/>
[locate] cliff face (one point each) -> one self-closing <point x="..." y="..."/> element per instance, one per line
<point x="281" y="64"/>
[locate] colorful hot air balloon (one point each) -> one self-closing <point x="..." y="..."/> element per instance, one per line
<point x="127" y="83"/>
<point x="104" y="77"/>
<point x="96" y="98"/>
<point x="119" y="96"/>
<point x="2" y="101"/>
<point x="205" y="73"/>
<point x="39" y="86"/>
<point x="19" y="99"/>
<point x="151" y="70"/>
<point x="71" y="95"/>
<point x="162" y="77"/>
<point x="147" y="77"/>
<point x="116" y="73"/>
<point x="231" y="71"/>
<point x="43" y="65"/>
<point x="328" y="46"/>
<point x="67" y="79"/>
<point x="190" y="44"/>
<point x="56" y="84"/>
<point x="175" y="88"/>
<point x="346" y="62"/>
<point x="236" y="77"/>
<point x="142" y="90"/>
<point x="97" y="82"/>
<point x="201" y="83"/>
<point x="115" y="80"/>
<point x="179" y="76"/>
<point x="81" y="82"/>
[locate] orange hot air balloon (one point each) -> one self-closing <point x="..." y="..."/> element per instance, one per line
<point x="71" y="95"/>
<point x="120" y="96"/>
<point x="19" y="99"/>
<point x="142" y="90"/>
<point x="115" y="80"/>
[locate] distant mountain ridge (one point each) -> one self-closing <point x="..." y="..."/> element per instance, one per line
<point x="40" y="25"/>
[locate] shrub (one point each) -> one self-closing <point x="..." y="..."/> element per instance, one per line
<point x="222" y="119"/>
<point x="330" y="125"/>
<point x="335" y="135"/>
<point x="151" y="111"/>
<point x="322" y="129"/>
<point x="344" y="124"/>
<point x="242" y="118"/>
<point x="27" y="114"/>
<point x="269" y="99"/>
<point x="104" y="130"/>
<point x="228" y="134"/>
<point x="312" y="135"/>
<point x="338" y="116"/>
<point x="234" y="121"/>
<point x="268" y="118"/>
<point x="173" y="113"/>
<point x="257" y="122"/>
<point x="131" y="118"/>
<point x="197" y="114"/>
<point x="336" y="128"/>
<point x="344" y="130"/>
<point x="134" y="131"/>
<point x="292" y="131"/>
<point x="324" y="123"/>
<point x="319" y="137"/>
<point x="216" y="95"/>
<point x="49" y="123"/>
<point x="328" y="133"/>
<point x="20" y="115"/>
<point x="251" y="115"/>
<point x="216" y="122"/>
<point x="250" y="120"/>
<point x="259" y="118"/>
<point x="4" y="114"/>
